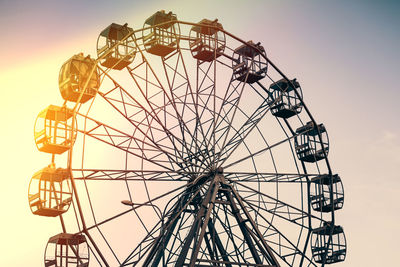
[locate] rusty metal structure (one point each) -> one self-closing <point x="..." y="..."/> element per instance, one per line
<point x="183" y="145"/>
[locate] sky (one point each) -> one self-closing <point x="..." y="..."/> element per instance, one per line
<point x="345" y="53"/>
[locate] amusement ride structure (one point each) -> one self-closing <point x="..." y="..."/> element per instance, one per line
<point x="184" y="145"/>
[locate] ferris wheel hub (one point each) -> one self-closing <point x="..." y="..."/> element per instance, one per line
<point x="211" y="175"/>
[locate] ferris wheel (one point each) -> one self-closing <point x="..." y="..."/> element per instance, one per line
<point x="184" y="145"/>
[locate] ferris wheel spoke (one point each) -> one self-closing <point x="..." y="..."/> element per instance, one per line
<point x="159" y="244"/>
<point x="236" y="240"/>
<point x="130" y="175"/>
<point x="223" y="119"/>
<point x="223" y="122"/>
<point x="181" y="154"/>
<point x="280" y="208"/>
<point x="147" y="114"/>
<point x="230" y="105"/>
<point x="207" y="141"/>
<point x="267" y="148"/>
<point x="137" y="206"/>
<point x="116" y="138"/>
<point x="251" y="123"/>
<point x="151" y="134"/>
<point x="220" y="120"/>
<point x="153" y="115"/>
<point x="170" y="99"/>
<point x="205" y="103"/>
<point x="163" y="229"/>
<point x="282" y="246"/>
<point x="268" y="177"/>
<point x="184" y="98"/>
<point x="186" y="162"/>
<point x="127" y="105"/>
<point x="244" y="131"/>
<point x="128" y="102"/>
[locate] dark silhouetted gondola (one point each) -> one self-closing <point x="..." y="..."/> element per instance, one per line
<point x="207" y="42"/>
<point x="161" y="33"/>
<point x="116" y="46"/>
<point x="79" y="74"/>
<point x="248" y="63"/>
<point x="328" y="244"/>
<point x="67" y="250"/>
<point x="285" y="102"/>
<point x="309" y="147"/>
<point x="326" y="193"/>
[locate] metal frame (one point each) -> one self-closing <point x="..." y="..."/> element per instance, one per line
<point x="196" y="129"/>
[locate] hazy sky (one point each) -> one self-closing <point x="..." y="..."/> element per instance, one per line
<point x="345" y="53"/>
